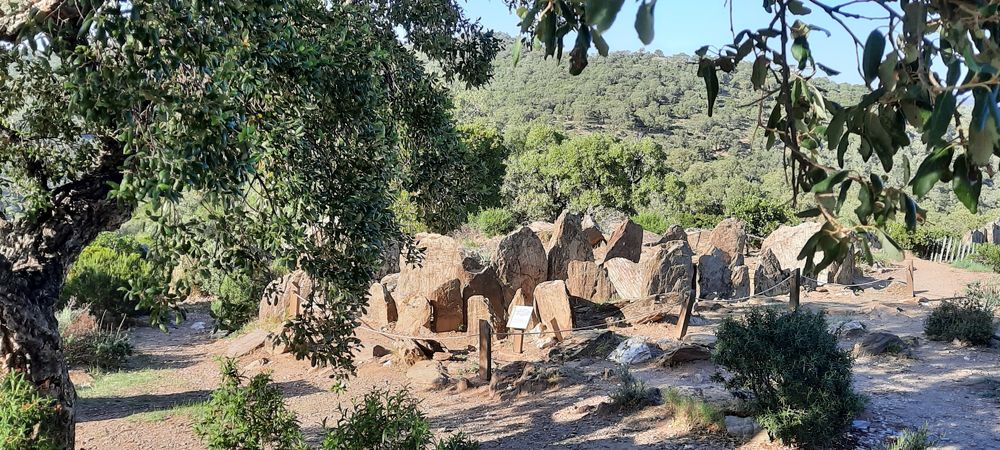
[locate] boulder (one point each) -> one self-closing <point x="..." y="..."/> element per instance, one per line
<point x="543" y="230"/>
<point x="699" y="241"/>
<point x="552" y="302"/>
<point x="409" y="353"/>
<point x="443" y="259"/>
<point x="714" y="276"/>
<point x="685" y="353"/>
<point x="650" y="238"/>
<point x="381" y="306"/>
<point x="634" y="350"/>
<point x="390" y="282"/>
<point x="428" y="375"/>
<point x="589" y="281"/>
<point x="625" y="278"/>
<point x="379" y="351"/>
<point x="741" y="426"/>
<point x="667" y="268"/>
<point x="626" y="242"/>
<point x="849" y="329"/>
<point x="730" y="237"/>
<point x="591" y="231"/>
<point x="447" y="306"/>
<point x="786" y="242"/>
<point x="567" y="244"/>
<point x="390" y="260"/>
<point x="879" y="343"/>
<point x="740" y="281"/>
<point x="768" y="277"/>
<point x="246" y="344"/>
<point x="284" y="298"/>
<point x="485" y="283"/>
<point x="521" y="263"/>
<point x="414" y="315"/>
<point x="479" y="308"/>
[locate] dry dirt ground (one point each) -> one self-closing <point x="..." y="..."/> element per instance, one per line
<point x="945" y="385"/>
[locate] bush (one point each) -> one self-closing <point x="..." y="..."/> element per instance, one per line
<point x="101" y="349"/>
<point x="382" y="420"/>
<point x="761" y="214"/>
<point x="919" y="240"/>
<point x="250" y="417"/>
<point x="968" y="320"/>
<point x="652" y="221"/>
<point x="23" y="414"/>
<point x="237" y="300"/>
<point x="493" y="221"/>
<point x="988" y="254"/>
<point x="631" y="393"/>
<point x="789" y="371"/>
<point x="919" y="439"/>
<point x="458" y="441"/>
<point x="695" y="412"/>
<point x="100" y="277"/>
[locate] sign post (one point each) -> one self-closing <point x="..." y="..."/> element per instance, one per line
<point x="520" y="317"/>
<point x="485" y="350"/>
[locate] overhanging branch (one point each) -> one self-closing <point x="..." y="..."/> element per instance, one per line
<point x="24" y="13"/>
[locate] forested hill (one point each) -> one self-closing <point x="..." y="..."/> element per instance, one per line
<point x="626" y="93"/>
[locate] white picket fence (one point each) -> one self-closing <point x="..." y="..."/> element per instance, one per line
<point x="951" y="249"/>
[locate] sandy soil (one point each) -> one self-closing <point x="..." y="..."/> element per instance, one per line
<point x="943" y="384"/>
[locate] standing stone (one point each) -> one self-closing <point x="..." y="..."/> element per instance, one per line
<point x="588" y="281"/>
<point x="567" y="244"/>
<point x="414" y="316"/>
<point x="625" y="277"/>
<point x="714" y="276"/>
<point x="390" y="282"/>
<point x="650" y="238"/>
<point x="381" y="306"/>
<point x="552" y="302"/>
<point x="286" y="297"/>
<point x="442" y="262"/>
<point x="448" y="307"/>
<point x="543" y="230"/>
<point x="603" y="289"/>
<point x="730" y="237"/>
<point x="591" y="232"/>
<point x="390" y="260"/>
<point x="740" y="282"/>
<point x="479" y="308"/>
<point x="520" y="263"/>
<point x="674" y="233"/>
<point x="667" y="268"/>
<point x="626" y="242"/>
<point x="786" y="242"/>
<point x="521" y="300"/>
<point x="769" y="275"/>
<point x="486" y="283"/>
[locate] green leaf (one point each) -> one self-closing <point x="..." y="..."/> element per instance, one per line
<point x="601" y="13"/>
<point x="932" y="170"/>
<point x="711" y="87"/>
<point x="967" y="184"/>
<point x="844" y="189"/>
<point x="944" y="108"/>
<point x="800" y="50"/>
<point x="644" y="21"/>
<point x="910" y="212"/>
<point x="889" y="246"/>
<point x="835" y="130"/>
<point x="796" y="7"/>
<point x="872" y="57"/>
<point x="811" y="212"/>
<point x="829" y="70"/>
<point x="866" y="207"/>
<point x="517" y="51"/>
<point x="827" y="184"/>
<point x="759" y="75"/>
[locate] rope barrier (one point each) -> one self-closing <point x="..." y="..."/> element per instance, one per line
<point x="868" y="283"/>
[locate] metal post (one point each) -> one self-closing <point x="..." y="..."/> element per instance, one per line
<point x="485" y="350"/>
<point x="793" y="291"/>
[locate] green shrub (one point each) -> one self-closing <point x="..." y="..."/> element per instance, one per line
<point x="631" y="392"/>
<point x="971" y="265"/>
<point x="249" y="417"/>
<point x="919" y="439"/>
<point x="382" y="420"/>
<point x="789" y="371"/>
<point x="919" y="240"/>
<point x="458" y="441"/>
<point x="23" y="414"/>
<point x="101" y="276"/>
<point x="652" y="221"/>
<point x="100" y="349"/>
<point x="988" y="254"/>
<point x="761" y="214"/>
<point x="695" y="412"/>
<point x="966" y="320"/>
<point x="237" y="299"/>
<point x="493" y="221"/>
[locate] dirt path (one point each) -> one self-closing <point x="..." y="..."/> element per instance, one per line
<point x="150" y="405"/>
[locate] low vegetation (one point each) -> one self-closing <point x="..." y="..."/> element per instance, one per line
<point x="988" y="254"/>
<point x="92" y="344"/>
<point x="631" y="393"/>
<point x="918" y="439"/>
<point x="968" y="320"/>
<point x="789" y="371"/>
<point x="102" y="275"/>
<point x="23" y="414"/>
<point x="694" y="412"/>
<point x="493" y="221"/>
<point x="382" y="419"/>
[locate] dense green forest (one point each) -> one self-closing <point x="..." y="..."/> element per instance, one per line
<point x="631" y="134"/>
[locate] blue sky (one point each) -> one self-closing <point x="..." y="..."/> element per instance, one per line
<point x="682" y="26"/>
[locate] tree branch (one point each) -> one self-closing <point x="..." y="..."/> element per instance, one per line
<point x="24" y="13"/>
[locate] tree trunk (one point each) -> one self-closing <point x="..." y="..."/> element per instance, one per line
<point x="35" y="254"/>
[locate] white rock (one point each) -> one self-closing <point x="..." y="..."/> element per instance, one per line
<point x="633" y="350"/>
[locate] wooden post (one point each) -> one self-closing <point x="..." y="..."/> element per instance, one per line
<point x="555" y="329"/>
<point x="793" y="291"/>
<point x="518" y="340"/>
<point x="684" y="317"/>
<point x="909" y="277"/>
<point x="485" y="350"/>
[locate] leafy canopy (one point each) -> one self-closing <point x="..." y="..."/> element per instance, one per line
<point x="927" y="58"/>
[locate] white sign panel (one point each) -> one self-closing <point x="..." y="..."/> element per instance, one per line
<point x="520" y="317"/>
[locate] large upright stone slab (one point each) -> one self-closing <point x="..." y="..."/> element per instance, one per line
<point x="552" y="302"/>
<point x="381" y="306"/>
<point x="478" y="308"/>
<point x="714" y="276"/>
<point x="667" y="268"/>
<point x="286" y="297"/>
<point x="449" y="307"/>
<point x="414" y="316"/>
<point x="741" y="282"/>
<point x="769" y="278"/>
<point x="730" y="237"/>
<point x="588" y="281"/>
<point x="786" y="242"/>
<point x="567" y="245"/>
<point x="591" y="231"/>
<point x="626" y="278"/>
<point x="442" y="261"/>
<point x="485" y="283"/>
<point x="625" y="242"/>
<point x="674" y="233"/>
<point x="521" y="263"/>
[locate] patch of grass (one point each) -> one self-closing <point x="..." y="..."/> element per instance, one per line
<point x="971" y="266"/>
<point x="117" y="383"/>
<point x="919" y="439"/>
<point x="191" y="410"/>
<point x="693" y="411"/>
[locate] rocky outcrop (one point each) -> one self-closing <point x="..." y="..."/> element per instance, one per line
<point x="521" y="263"/>
<point x="567" y="245"/>
<point x="443" y="259"/>
<point x="625" y="242"/>
<point x="714" y="276"/>
<point x="287" y="296"/>
<point x="625" y="278"/>
<point x="552" y="303"/>
<point x="769" y="278"/>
